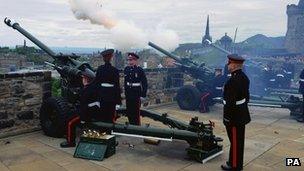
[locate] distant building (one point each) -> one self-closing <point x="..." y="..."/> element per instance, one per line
<point x="207" y="33"/>
<point x="226" y="42"/>
<point x="294" y="42"/>
<point x="119" y="60"/>
<point x="12" y="60"/>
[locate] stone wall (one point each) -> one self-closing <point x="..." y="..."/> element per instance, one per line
<point x="21" y="95"/>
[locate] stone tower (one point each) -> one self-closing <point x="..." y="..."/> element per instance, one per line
<point x="207" y="33"/>
<point x="294" y="42"/>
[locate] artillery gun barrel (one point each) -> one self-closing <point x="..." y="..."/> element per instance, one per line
<point x="52" y="65"/>
<point x="164" y="51"/>
<point x="148" y="131"/>
<point x="17" y="27"/>
<point x="217" y="47"/>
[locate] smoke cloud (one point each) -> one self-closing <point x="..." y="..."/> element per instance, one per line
<point x="125" y="35"/>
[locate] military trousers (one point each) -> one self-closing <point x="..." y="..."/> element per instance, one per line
<point x="71" y="128"/>
<point x="133" y="110"/>
<point x="236" y="136"/>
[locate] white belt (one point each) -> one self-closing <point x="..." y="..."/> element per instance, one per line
<point x="227" y="120"/>
<point x="302" y="80"/>
<point x="237" y="102"/>
<point x="287" y="72"/>
<point x="94" y="104"/>
<point x="219" y="88"/>
<point x="107" y="85"/>
<point x="272" y="80"/>
<point x="280" y="75"/>
<point x="229" y="75"/>
<point x="133" y="84"/>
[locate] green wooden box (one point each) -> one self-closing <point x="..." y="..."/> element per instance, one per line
<point x="96" y="148"/>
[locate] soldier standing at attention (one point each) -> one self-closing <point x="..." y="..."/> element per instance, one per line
<point x="236" y="113"/>
<point x="135" y="88"/>
<point x="301" y="90"/>
<point x="107" y="79"/>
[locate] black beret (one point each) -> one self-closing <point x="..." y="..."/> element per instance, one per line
<point x="107" y="52"/>
<point x="236" y="58"/>
<point x="133" y="55"/>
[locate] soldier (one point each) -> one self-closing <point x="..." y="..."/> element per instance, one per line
<point x="236" y="113"/>
<point x="107" y="79"/>
<point x="301" y="90"/>
<point x="218" y="83"/>
<point x="89" y="109"/>
<point x="135" y="88"/>
<point x="215" y="91"/>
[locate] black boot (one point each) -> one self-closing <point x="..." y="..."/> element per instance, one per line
<point x="65" y="144"/>
<point x="300" y="119"/>
<point x="226" y="166"/>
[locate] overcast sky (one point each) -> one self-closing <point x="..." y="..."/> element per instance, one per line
<point x="53" y="22"/>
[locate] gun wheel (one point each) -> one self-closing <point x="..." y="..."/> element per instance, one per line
<point x="188" y="97"/>
<point x="54" y="113"/>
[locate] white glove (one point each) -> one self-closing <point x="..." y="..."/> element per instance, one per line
<point x="142" y="99"/>
<point x="117" y="107"/>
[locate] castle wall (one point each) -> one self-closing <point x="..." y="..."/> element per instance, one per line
<point x="20" y="99"/>
<point x="295" y="31"/>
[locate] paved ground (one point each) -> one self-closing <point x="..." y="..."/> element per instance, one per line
<point x="270" y="138"/>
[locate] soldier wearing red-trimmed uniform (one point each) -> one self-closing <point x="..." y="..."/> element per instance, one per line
<point x="107" y="80"/>
<point x="236" y="113"/>
<point x="135" y="88"/>
<point x="89" y="109"/>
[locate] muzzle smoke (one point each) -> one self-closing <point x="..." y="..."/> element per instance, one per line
<point x="125" y="35"/>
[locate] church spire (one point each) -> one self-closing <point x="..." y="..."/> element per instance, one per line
<point x="207" y="32"/>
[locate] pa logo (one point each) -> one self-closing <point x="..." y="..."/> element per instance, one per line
<point x="293" y="162"/>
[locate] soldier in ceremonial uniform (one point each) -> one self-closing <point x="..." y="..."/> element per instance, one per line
<point x="135" y="88"/>
<point x="89" y="109"/>
<point x="301" y="90"/>
<point x="216" y="91"/>
<point x="107" y="79"/>
<point x="236" y="113"/>
<point x="218" y="83"/>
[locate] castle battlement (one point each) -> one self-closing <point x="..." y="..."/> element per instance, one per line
<point x="294" y="10"/>
<point x="295" y="34"/>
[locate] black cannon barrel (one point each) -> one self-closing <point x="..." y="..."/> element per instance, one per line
<point x="208" y="42"/>
<point x="165" y="52"/>
<point x="16" y="26"/>
<point x="148" y="131"/>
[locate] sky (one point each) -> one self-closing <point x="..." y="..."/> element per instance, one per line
<point x="53" y="22"/>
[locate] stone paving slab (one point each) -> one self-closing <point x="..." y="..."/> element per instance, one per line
<point x="3" y="167"/>
<point x="18" y="156"/>
<point x="38" y="165"/>
<point x="270" y="138"/>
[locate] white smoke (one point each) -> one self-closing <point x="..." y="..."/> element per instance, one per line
<point x="125" y="35"/>
<point x="92" y="10"/>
